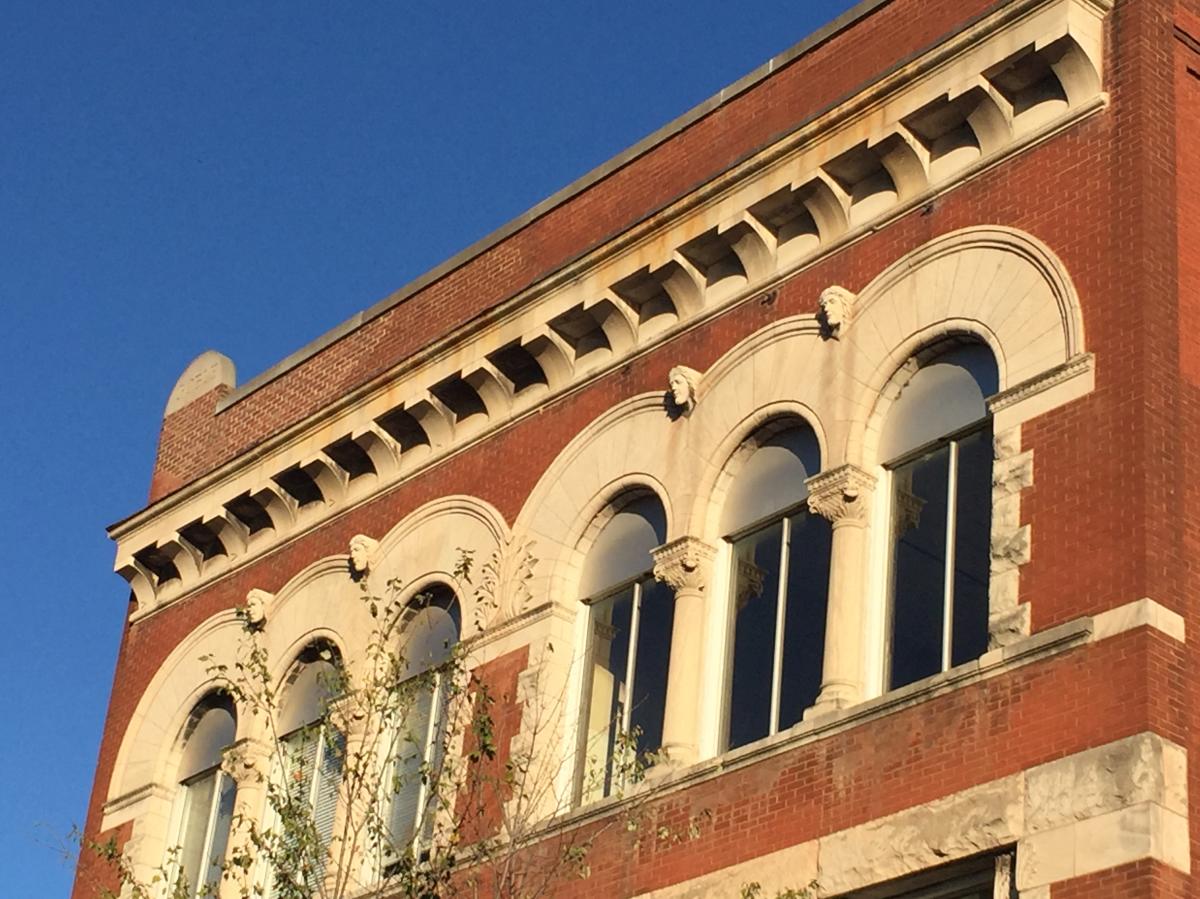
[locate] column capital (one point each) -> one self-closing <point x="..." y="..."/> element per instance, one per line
<point x="842" y="494"/>
<point x="247" y="757"/>
<point x="684" y="564"/>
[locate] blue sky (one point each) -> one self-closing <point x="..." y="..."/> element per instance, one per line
<point x="242" y="177"/>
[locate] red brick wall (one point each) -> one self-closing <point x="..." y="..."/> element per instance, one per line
<point x="1117" y="474"/>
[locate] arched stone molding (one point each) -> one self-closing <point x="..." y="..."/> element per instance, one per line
<point x="997" y="285"/>
<point x="738" y="445"/>
<point x="426" y="547"/>
<point x="635" y="446"/>
<point x="151" y="739"/>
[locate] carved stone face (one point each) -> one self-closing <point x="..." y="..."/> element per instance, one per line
<point x="833" y="308"/>
<point x="360" y="554"/>
<point x="681" y="388"/>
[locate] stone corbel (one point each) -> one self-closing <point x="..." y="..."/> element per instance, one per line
<point x="842" y="494"/>
<point x="684" y="564"/>
<point x="248" y="759"/>
<point x="683" y="386"/>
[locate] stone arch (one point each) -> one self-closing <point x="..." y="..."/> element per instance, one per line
<point x="996" y="285"/>
<point x="425" y="547"/>
<point x="737" y="446"/>
<point x="634" y="446"/>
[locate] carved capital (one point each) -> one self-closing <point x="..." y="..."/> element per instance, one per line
<point x="247" y="758"/>
<point x="842" y="494"/>
<point x="684" y="564"/>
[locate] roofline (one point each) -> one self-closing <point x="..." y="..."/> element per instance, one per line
<point x="576" y="187"/>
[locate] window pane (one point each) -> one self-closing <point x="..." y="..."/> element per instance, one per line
<point x="208" y="735"/>
<point x="610" y="621"/>
<point x="196" y="810"/>
<point x="804" y="627"/>
<point x="220" y="837"/>
<point x="918" y="567"/>
<point x="972" y="549"/>
<point x="410" y="755"/>
<point x="653" y="659"/>
<point x="756" y="591"/>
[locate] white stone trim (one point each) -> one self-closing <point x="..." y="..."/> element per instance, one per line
<point x="1112" y="805"/>
<point x="732" y="215"/>
<point x="1143" y="612"/>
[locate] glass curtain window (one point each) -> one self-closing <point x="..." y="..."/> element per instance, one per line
<point x="208" y="797"/>
<point x="629" y="647"/>
<point x="940" y="438"/>
<point x="430" y="637"/>
<point x="779" y="584"/>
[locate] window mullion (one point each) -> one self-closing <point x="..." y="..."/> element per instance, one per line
<point x="785" y="540"/>
<point x="426" y="743"/>
<point x="209" y="831"/>
<point x="951" y="540"/>
<point x="635" y="619"/>
<point x="318" y="758"/>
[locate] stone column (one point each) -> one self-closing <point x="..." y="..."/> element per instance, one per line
<point x="843" y="496"/>
<point x="249" y="763"/>
<point x="685" y="565"/>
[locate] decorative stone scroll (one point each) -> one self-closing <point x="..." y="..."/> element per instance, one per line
<point x="842" y="495"/>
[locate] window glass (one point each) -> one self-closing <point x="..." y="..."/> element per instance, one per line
<point x="941" y="504"/>
<point x="779" y="588"/>
<point x="208" y="796"/>
<point x="622" y="548"/>
<point x="629" y="648"/>
<point x="772" y="479"/>
<point x="945" y="395"/>
<point x="430" y="636"/>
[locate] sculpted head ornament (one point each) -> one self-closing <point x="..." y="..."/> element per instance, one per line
<point x="837" y="307"/>
<point x="362" y="550"/>
<point x="256" y="607"/>
<point x="683" y="383"/>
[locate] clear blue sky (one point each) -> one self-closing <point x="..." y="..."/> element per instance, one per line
<point x="243" y="176"/>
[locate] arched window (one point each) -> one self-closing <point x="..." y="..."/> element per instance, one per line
<point x="433" y="629"/>
<point x="629" y="646"/>
<point x="313" y="753"/>
<point x="208" y="796"/>
<point x="779" y="587"/>
<point x="937" y="445"/>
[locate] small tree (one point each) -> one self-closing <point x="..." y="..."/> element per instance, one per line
<point x="430" y="734"/>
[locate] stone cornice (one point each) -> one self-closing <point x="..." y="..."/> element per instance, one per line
<point x="840" y="175"/>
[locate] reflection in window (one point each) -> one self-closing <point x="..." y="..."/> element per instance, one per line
<point x="630" y="621"/>
<point x="430" y="636"/>
<point x="208" y="796"/>
<point x="780" y="583"/>
<point x="938" y="437"/>
<point x="313" y="753"/>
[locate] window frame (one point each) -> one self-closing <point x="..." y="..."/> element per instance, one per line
<point x="634" y="583"/>
<point x="730" y="541"/>
<point x="981" y="425"/>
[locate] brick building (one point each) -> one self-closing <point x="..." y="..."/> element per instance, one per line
<point x="841" y="439"/>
